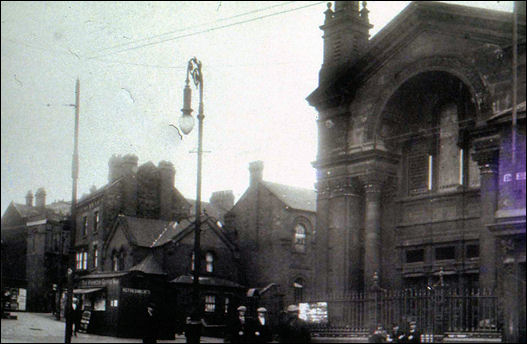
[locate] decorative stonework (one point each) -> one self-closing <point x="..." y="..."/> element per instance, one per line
<point x="461" y="69"/>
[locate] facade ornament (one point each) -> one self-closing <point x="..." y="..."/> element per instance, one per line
<point x="328" y="14"/>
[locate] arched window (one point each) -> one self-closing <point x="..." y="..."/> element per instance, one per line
<point x="300" y="237"/>
<point x="209" y="259"/>
<point x="115" y="262"/>
<point x="298" y="287"/>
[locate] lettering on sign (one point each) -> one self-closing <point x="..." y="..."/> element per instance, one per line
<point x="136" y="291"/>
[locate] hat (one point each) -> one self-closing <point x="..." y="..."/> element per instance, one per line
<point x="412" y="322"/>
<point x="242" y="308"/>
<point x="292" y="308"/>
<point x="151" y="304"/>
<point x="261" y="309"/>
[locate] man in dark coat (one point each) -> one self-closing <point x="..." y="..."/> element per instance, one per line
<point x="239" y="329"/>
<point x="75" y="315"/>
<point x="293" y="329"/>
<point x="413" y="335"/>
<point x="150" y="324"/>
<point x="261" y="327"/>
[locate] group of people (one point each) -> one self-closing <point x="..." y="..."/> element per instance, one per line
<point x="396" y="335"/>
<point x="291" y="328"/>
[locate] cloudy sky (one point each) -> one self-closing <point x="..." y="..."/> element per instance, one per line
<point x="260" y="61"/>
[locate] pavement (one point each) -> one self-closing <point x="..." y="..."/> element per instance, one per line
<point x="44" y="328"/>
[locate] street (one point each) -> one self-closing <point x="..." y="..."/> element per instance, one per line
<point x="43" y="328"/>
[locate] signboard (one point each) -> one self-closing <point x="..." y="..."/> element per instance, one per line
<point x="314" y="313"/>
<point x="85" y="321"/>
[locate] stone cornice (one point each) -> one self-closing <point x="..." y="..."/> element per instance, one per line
<point x="486" y="151"/>
<point x="359" y="157"/>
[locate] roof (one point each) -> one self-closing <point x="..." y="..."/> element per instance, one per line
<point x="207" y="208"/>
<point x="149" y="232"/>
<point x="185" y="227"/>
<point x="108" y="274"/>
<point x="55" y="209"/>
<point x="206" y="280"/>
<point x="149" y="265"/>
<point x="294" y="197"/>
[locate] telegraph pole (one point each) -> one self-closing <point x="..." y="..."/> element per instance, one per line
<point x="74" y="176"/>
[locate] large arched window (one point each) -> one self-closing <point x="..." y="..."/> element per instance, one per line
<point x="300" y="237"/>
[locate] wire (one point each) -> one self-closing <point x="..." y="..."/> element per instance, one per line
<point x="191" y="27"/>
<point x="208" y="30"/>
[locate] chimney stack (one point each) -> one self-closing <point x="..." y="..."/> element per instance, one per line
<point x="29" y="199"/>
<point x="167" y="174"/>
<point x="256" y="172"/>
<point x="40" y="197"/>
<point x="222" y="199"/>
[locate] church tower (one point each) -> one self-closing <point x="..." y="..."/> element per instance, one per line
<point x="346" y="34"/>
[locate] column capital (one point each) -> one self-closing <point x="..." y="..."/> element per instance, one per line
<point x="373" y="182"/>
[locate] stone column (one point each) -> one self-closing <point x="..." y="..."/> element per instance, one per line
<point x="372" y="229"/>
<point x="486" y="154"/>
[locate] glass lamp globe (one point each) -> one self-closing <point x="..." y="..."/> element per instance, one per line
<point x="186" y="123"/>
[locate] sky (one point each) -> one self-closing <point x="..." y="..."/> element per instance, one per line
<point x="260" y="60"/>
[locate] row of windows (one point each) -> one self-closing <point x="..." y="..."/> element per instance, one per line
<point x="441" y="253"/>
<point x="96" y="223"/>
<point x="81" y="259"/>
<point x="209" y="261"/>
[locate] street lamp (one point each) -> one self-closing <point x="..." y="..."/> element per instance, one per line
<point x="186" y="123"/>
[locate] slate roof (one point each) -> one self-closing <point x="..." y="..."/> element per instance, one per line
<point x="149" y="265"/>
<point x="150" y="232"/>
<point x="55" y="209"/>
<point x="294" y="197"/>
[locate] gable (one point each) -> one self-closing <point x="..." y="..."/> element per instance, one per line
<point x="12" y="216"/>
<point x="118" y="238"/>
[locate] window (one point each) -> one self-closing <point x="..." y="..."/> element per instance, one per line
<point x="84" y="260"/>
<point x="84" y="225"/>
<point x="81" y="260"/>
<point x="209" y="258"/>
<point x="448" y="252"/>
<point x="95" y="255"/>
<point x="115" y="262"/>
<point x="430" y="171"/>
<point x="300" y="238"/>
<point x="96" y="220"/>
<point x="227" y="305"/>
<point x="472" y="251"/>
<point x="461" y="171"/>
<point x="192" y="259"/>
<point x="210" y="303"/>
<point x="414" y="256"/>
<point x="114" y="303"/>
<point x="298" y="287"/>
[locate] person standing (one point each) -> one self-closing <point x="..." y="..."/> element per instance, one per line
<point x="262" y="328"/>
<point x="150" y="324"/>
<point x="378" y="336"/>
<point x="413" y="335"/>
<point x="396" y="335"/>
<point x="294" y="329"/>
<point x="239" y="328"/>
<point x="74" y="314"/>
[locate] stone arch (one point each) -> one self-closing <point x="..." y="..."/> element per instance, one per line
<point x="455" y="66"/>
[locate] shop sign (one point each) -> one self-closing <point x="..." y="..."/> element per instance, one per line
<point x="136" y="291"/>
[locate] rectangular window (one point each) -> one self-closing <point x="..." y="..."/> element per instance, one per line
<point x="472" y="251"/>
<point x="96" y="219"/>
<point x="430" y="170"/>
<point x="443" y="253"/>
<point x="84" y="225"/>
<point x="84" y="260"/>
<point x="78" y="261"/>
<point x="114" y="303"/>
<point x="414" y="256"/>
<point x="461" y="175"/>
<point x="227" y="305"/>
<point x="210" y="303"/>
<point x="95" y="255"/>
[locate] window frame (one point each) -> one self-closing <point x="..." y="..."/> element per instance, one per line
<point x="210" y="307"/>
<point x="300" y="246"/>
<point x="209" y="263"/>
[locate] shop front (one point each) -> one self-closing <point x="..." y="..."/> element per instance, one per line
<point x="114" y="303"/>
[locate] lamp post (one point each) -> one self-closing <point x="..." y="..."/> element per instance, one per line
<point x="186" y="123"/>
